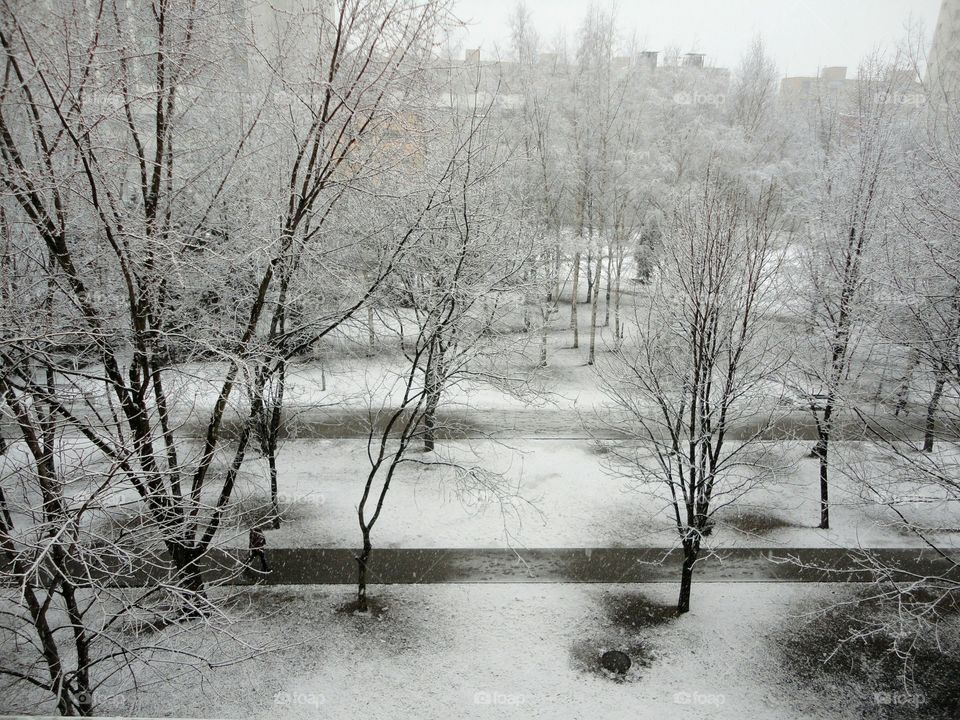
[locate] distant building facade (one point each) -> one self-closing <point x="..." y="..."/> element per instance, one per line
<point x="831" y="82"/>
<point x="943" y="67"/>
<point x="833" y="85"/>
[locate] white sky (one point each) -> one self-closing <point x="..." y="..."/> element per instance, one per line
<point x="801" y="35"/>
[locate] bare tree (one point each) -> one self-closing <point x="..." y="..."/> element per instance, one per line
<point x="453" y="282"/>
<point x="843" y="234"/>
<point x="542" y="186"/>
<point x="907" y="612"/>
<point x="346" y="141"/>
<point x="923" y="273"/>
<point x="114" y="224"/>
<point x="596" y="96"/>
<point x="700" y="362"/>
<point x="754" y="89"/>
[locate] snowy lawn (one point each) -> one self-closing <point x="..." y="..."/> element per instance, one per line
<point x="551" y="493"/>
<point x="556" y="494"/>
<point x="348" y="374"/>
<point x="530" y="651"/>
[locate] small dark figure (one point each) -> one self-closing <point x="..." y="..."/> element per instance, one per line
<point x="258" y="544"/>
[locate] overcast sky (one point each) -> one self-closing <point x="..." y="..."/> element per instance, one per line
<point x="802" y="35"/>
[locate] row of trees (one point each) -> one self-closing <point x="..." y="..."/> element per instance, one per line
<point x="179" y="184"/>
<point x="623" y="164"/>
<point x="197" y="195"/>
<point x="609" y="142"/>
<point x="788" y="301"/>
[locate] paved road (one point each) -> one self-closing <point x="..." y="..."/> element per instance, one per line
<point x="538" y="423"/>
<point x="323" y="566"/>
<point x="547" y="423"/>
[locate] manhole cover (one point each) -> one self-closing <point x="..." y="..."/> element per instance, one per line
<point x="615" y="661"/>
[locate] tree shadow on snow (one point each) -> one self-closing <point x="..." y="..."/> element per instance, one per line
<point x="866" y="674"/>
<point x="752" y="522"/>
<point x="626" y="625"/>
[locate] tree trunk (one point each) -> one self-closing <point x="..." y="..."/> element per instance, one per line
<point x="274" y="489"/>
<point x="543" y="342"/>
<point x="362" y="559"/>
<point x="430" y="411"/>
<point x="189" y="576"/>
<point x="617" y="321"/>
<point x="574" y="299"/>
<point x="7" y="518"/>
<point x="526" y="300"/>
<point x="903" y="391"/>
<point x="606" y="306"/>
<point x="686" y="577"/>
<point x="429" y="431"/>
<point x="81" y="678"/>
<point x="590" y="274"/>
<point x="273" y="437"/>
<point x="48" y="646"/>
<point x="820" y="452"/>
<point x="371" y="335"/>
<point x="557" y="269"/>
<point x="931" y="424"/>
<point x="595" y="300"/>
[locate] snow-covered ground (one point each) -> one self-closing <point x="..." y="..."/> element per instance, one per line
<point x="557" y="494"/>
<point x="550" y="493"/>
<point x="526" y="651"/>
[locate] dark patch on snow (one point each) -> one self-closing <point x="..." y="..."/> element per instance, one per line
<point x="257" y="510"/>
<point x="635" y="611"/>
<point x="394" y="622"/>
<point x="628" y="621"/>
<point x="271" y="598"/>
<point x="150" y="625"/>
<point x="155" y="620"/>
<point x="848" y="652"/>
<point x="377" y="607"/>
<point x="339" y="422"/>
<point x="752" y="522"/>
<point x="585" y="656"/>
<point x="600" y="448"/>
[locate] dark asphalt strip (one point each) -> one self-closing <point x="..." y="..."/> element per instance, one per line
<point x="333" y="566"/>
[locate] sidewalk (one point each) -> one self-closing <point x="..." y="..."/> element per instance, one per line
<point x="326" y="566"/>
